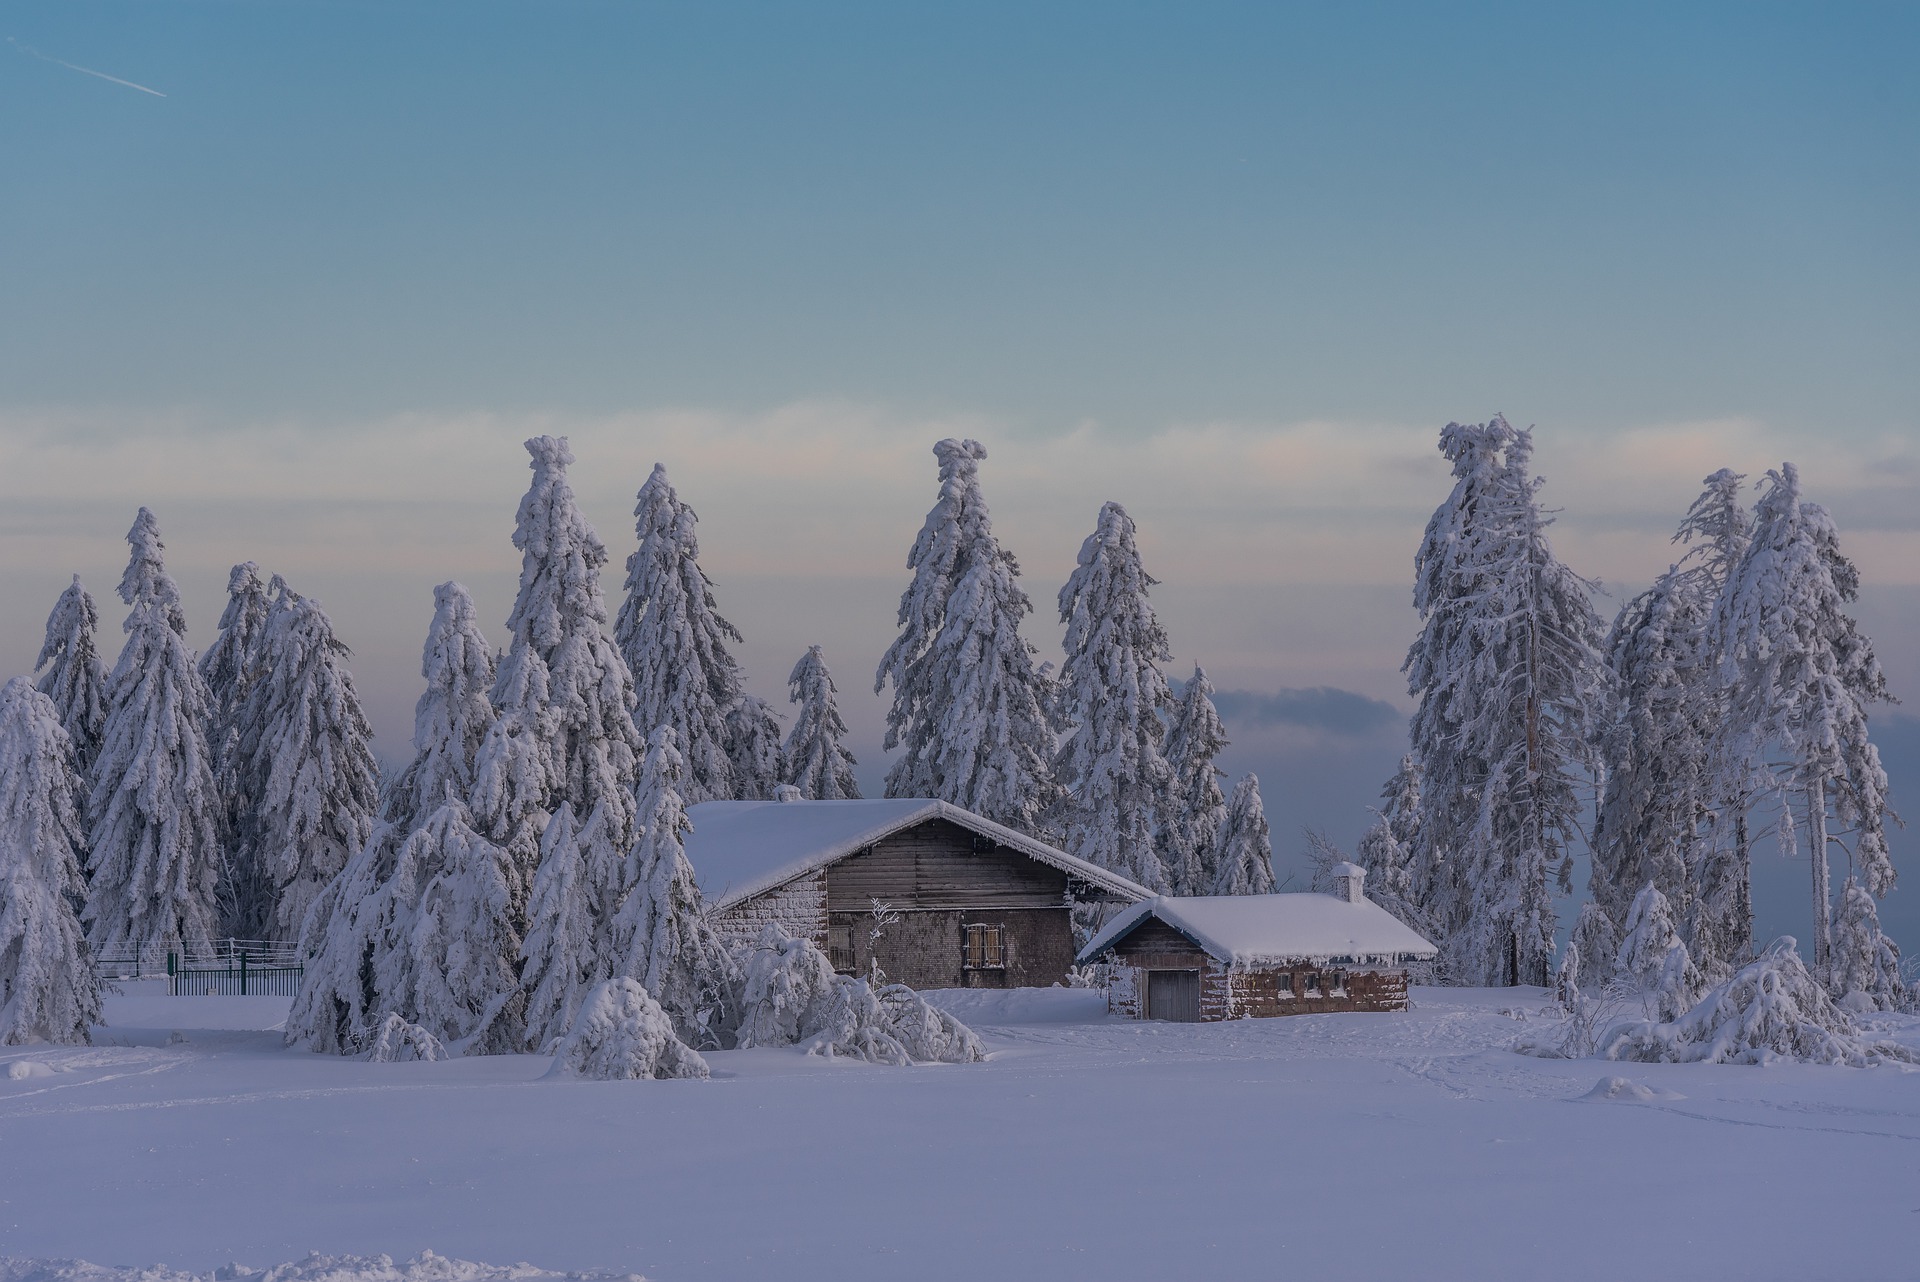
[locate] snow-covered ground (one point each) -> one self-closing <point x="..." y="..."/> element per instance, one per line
<point x="1332" y="1146"/>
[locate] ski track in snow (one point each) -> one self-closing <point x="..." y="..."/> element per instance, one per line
<point x="1293" y="1138"/>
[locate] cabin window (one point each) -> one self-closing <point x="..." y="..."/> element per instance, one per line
<point x="840" y="948"/>
<point x="1339" y="983"/>
<point x="1284" y="984"/>
<point x="986" y="948"/>
<point x="1312" y="986"/>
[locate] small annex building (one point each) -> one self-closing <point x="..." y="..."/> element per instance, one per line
<point x="1232" y="956"/>
<point x="978" y="904"/>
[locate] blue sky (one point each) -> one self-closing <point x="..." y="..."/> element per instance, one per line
<point x="1232" y="265"/>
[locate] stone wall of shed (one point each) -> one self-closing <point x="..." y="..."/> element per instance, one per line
<point x="799" y="908"/>
<point x="1228" y="992"/>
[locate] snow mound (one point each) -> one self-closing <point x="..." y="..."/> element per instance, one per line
<point x="425" y="1267"/>
<point x="623" y="1035"/>
<point x="1628" y="1089"/>
<point x="399" y="1042"/>
<point x="21" y="1069"/>
<point x="1770" y="1009"/>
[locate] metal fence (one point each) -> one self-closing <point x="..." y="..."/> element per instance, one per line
<point x="255" y="957"/>
<point x="242" y="978"/>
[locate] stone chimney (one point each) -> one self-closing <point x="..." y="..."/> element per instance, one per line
<point x="1349" y="882"/>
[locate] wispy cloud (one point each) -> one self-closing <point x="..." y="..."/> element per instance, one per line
<point x="1324" y="708"/>
<point x="32" y="52"/>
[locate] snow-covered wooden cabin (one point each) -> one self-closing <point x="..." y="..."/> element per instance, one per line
<point x="978" y="905"/>
<point x="1227" y="956"/>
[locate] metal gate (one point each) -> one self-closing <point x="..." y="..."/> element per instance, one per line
<point x="240" y="978"/>
<point x="1174" y="995"/>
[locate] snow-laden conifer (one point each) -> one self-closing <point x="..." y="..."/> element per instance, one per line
<point x="154" y="810"/>
<point x="754" y="749"/>
<point x="47" y="989"/>
<point x="562" y="963"/>
<point x="306" y="746"/>
<point x="622" y="1034"/>
<point x="1593" y="945"/>
<point x="71" y="675"/>
<point x="817" y="763"/>
<point x="970" y="708"/>
<point x="786" y="983"/>
<point x="675" y="641"/>
<point x="661" y="936"/>
<point x="1864" y="974"/>
<point x="452" y="715"/>
<point x="355" y="945"/>
<point x="1386" y="848"/>
<point x="396" y="1041"/>
<point x="458" y="976"/>
<point x="1190" y="822"/>
<point x="1510" y="687"/>
<point x="1653" y="962"/>
<point x="1111" y="698"/>
<point x="1245" y="863"/>
<point x="585" y="722"/>
<point x="229" y="667"/>
<point x="1801" y="676"/>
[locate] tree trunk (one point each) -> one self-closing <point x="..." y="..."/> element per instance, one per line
<point x="1743" y="892"/>
<point x="1817" y="842"/>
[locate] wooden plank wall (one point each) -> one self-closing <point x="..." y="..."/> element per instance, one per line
<point x="934" y="865"/>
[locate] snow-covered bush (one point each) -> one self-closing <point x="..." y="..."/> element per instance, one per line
<point x="1770" y="1009"/>
<point x="928" y="1034"/>
<point x="787" y="984"/>
<point x="1653" y="963"/>
<point x="623" y="1035"/>
<point x="398" y="1042"/>
<point x="47" y="988"/>
<point x="1865" y="972"/>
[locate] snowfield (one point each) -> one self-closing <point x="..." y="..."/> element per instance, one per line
<point x="1329" y="1146"/>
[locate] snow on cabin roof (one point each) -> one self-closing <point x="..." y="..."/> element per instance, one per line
<point x="740" y="849"/>
<point x="1256" y="929"/>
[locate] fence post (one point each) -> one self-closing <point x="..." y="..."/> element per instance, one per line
<point x="243" y="974"/>
<point x="173" y="974"/>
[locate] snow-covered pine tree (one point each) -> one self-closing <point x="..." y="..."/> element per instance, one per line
<point x="817" y="764"/>
<point x="306" y="746"/>
<point x="661" y="936"/>
<point x="47" y="989"/>
<point x="1111" y="698"/>
<point x="1801" y="676"/>
<point x="229" y="667"/>
<point x="584" y="714"/>
<point x="459" y="973"/>
<point x="1653" y="961"/>
<point x="970" y="709"/>
<point x="1720" y="929"/>
<point x="354" y="942"/>
<point x="676" y="642"/>
<point x="1595" y="940"/>
<point x="1510" y="686"/>
<point x="71" y="676"/>
<point x="754" y="749"/>
<point x="1865" y="971"/>
<point x="452" y="716"/>
<point x="1245" y="865"/>
<point x="1386" y="848"/>
<point x="154" y="810"/>
<point x="1190" y="822"/>
<point x="561" y="962"/>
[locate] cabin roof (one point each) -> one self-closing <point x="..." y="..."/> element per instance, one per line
<point x="1257" y="929"/>
<point x="740" y="849"/>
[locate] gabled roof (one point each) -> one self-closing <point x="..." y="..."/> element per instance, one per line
<point x="1259" y="929"/>
<point x="740" y="849"/>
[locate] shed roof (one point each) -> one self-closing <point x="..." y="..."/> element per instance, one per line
<point x="740" y="849"/>
<point x="1255" y="929"/>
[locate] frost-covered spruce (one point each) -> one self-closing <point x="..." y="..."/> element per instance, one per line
<point x="970" y="710"/>
<point x="513" y="773"/>
<point x="229" y="667"/>
<point x="623" y="1035"/>
<point x="1510" y="688"/>
<point x="154" y="809"/>
<point x="306" y="747"/>
<point x="661" y="936"/>
<point x="585" y="722"/>
<point x="1245" y="863"/>
<point x="47" y="989"/>
<point x="71" y="676"/>
<point x="1864" y="973"/>
<point x="453" y="714"/>
<point x="786" y="985"/>
<point x="1386" y="848"/>
<point x="355" y="947"/>
<point x="754" y="749"/>
<point x="562" y="963"/>
<point x="817" y="762"/>
<point x="1770" y="1009"/>
<point x="1191" y="819"/>
<point x="1111" y="698"/>
<point x="458" y="975"/>
<point x="1653" y="961"/>
<point x="675" y="641"/>
<point x="1801" y="676"/>
<point x="1593" y="946"/>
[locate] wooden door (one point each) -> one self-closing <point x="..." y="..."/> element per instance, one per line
<point x="1174" y="995"/>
